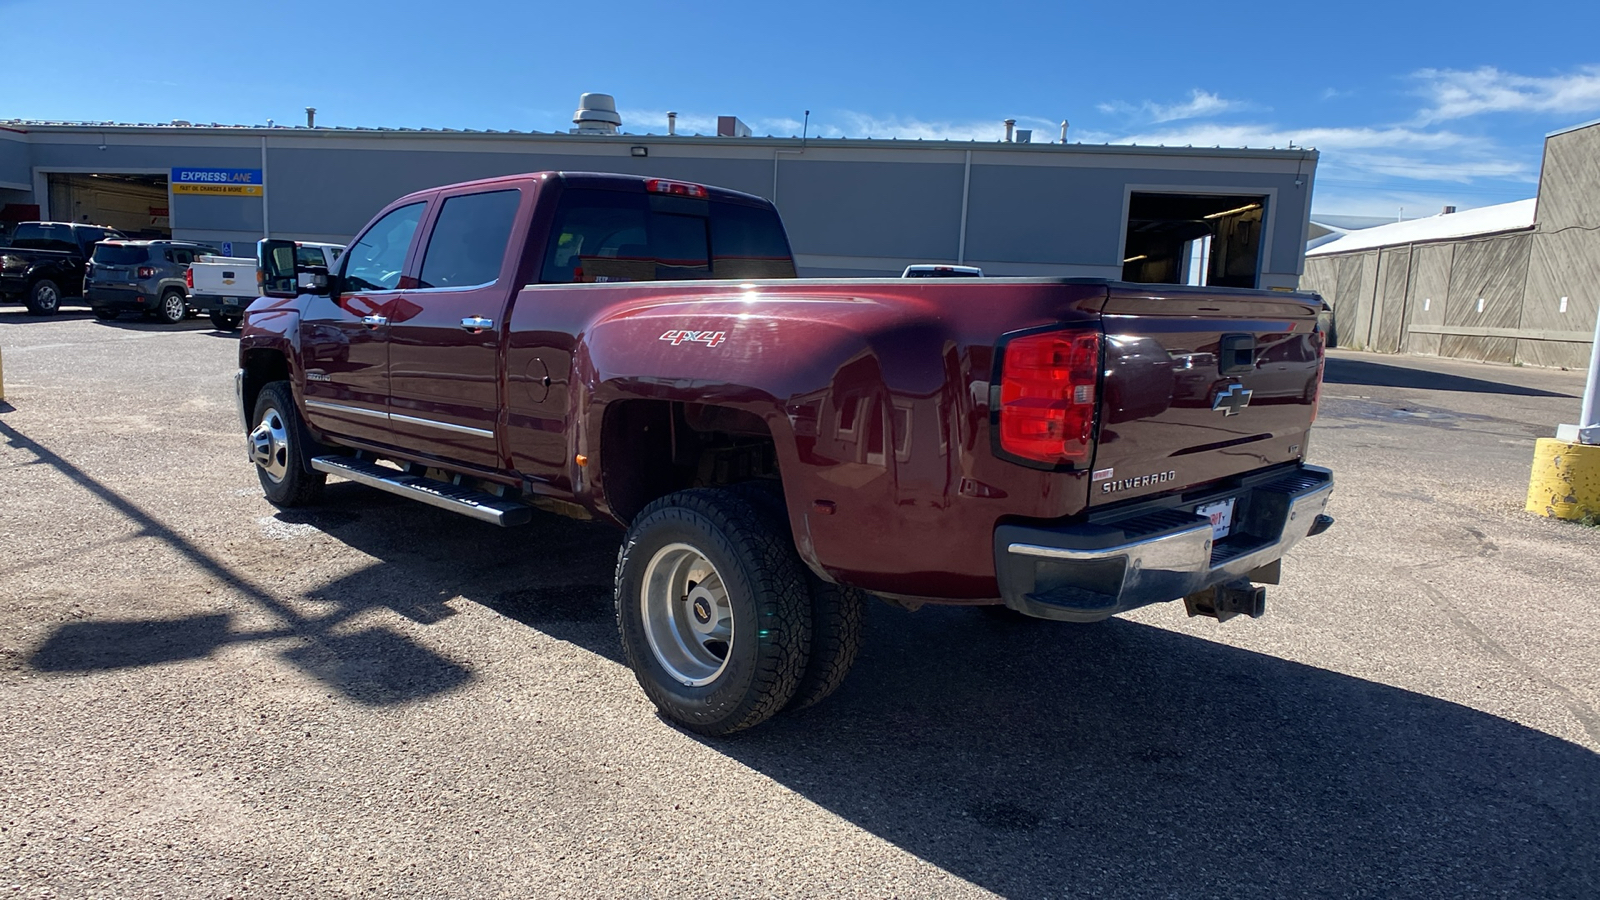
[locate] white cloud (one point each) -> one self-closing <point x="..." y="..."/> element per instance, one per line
<point x="1456" y="94"/>
<point x="1200" y="105"/>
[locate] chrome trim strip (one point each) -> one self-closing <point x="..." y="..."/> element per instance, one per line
<point x="445" y="426"/>
<point x="1179" y="537"/>
<point x="340" y="407"/>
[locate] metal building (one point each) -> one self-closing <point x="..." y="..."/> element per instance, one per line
<point x="1515" y="283"/>
<point x="852" y="207"/>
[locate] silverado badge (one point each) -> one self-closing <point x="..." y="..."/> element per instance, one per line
<point x="1230" y="401"/>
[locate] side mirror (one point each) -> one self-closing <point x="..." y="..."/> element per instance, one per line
<point x="312" y="280"/>
<point x="275" y="268"/>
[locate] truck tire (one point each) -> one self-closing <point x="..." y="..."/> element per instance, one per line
<point x="44" y="298"/>
<point x="173" y="307"/>
<point x="837" y="612"/>
<point x="713" y="612"/>
<point x="278" y="447"/>
<point x="224" y="322"/>
<point x="105" y="313"/>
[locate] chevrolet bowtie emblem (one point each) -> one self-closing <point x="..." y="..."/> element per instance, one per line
<point x="1230" y="401"/>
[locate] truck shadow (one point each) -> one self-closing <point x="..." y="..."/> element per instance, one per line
<point x="1036" y="759"/>
<point x="1121" y="759"/>
<point x="1376" y="374"/>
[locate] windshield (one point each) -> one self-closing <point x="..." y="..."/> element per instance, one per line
<point x="118" y="254"/>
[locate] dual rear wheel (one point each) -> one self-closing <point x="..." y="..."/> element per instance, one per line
<point x="720" y="621"/>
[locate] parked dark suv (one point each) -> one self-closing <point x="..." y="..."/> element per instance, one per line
<point x="45" y="262"/>
<point x="146" y="276"/>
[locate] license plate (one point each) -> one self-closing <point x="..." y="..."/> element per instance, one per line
<point x="1221" y="515"/>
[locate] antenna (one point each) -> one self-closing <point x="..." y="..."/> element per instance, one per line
<point x="805" y="127"/>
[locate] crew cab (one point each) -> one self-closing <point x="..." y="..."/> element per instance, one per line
<point x="45" y="263"/>
<point x="778" y="449"/>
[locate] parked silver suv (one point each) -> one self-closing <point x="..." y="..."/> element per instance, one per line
<point x="146" y="276"/>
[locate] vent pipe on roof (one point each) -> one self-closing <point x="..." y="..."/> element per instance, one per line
<point x="597" y="114"/>
<point x="1063" y="131"/>
<point x="672" y="123"/>
<point x="311" y="117"/>
<point x="1447" y="210"/>
<point x="1010" y="124"/>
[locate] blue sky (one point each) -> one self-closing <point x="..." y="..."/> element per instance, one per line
<point x="1412" y="104"/>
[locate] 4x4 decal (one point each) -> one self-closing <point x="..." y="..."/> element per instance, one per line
<point x="709" y="338"/>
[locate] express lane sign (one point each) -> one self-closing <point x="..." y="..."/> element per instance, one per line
<point x="218" y="182"/>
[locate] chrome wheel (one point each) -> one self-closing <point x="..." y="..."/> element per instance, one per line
<point x="269" y="444"/>
<point x="173" y="308"/>
<point x="687" y="617"/>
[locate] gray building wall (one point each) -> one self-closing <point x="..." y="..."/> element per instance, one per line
<point x="1530" y="296"/>
<point x="851" y="207"/>
<point x="14" y="160"/>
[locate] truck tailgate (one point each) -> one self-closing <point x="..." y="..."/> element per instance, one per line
<point x="1202" y="384"/>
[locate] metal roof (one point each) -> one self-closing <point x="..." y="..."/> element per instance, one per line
<point x="91" y="127"/>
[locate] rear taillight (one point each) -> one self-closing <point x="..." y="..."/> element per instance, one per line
<point x="1049" y="387"/>
<point x="146" y="272"/>
<point x="679" y="188"/>
<point x="188" y="278"/>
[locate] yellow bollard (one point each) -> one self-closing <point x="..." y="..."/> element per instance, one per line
<point x="1565" y="483"/>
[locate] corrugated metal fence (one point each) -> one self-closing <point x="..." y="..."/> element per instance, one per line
<point x="1520" y="297"/>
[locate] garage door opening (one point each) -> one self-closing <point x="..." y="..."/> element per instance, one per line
<point x="135" y="205"/>
<point x="1194" y="239"/>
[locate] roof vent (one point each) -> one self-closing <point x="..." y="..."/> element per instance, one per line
<point x="180" y="123"/>
<point x="1024" y="136"/>
<point x="1447" y="210"/>
<point x="730" y="126"/>
<point x="1011" y="124"/>
<point x="597" y="114"/>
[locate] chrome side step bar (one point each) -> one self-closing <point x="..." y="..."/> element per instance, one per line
<point x="479" y="505"/>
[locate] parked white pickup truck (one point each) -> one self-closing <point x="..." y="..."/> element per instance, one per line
<point x="224" y="285"/>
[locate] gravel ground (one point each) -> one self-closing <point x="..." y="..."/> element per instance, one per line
<point x="206" y="697"/>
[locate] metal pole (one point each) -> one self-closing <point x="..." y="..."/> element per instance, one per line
<point x="266" y="229"/>
<point x="1589" y="420"/>
<point x="966" y="190"/>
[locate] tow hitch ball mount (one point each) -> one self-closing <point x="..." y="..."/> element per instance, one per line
<point x="1224" y="601"/>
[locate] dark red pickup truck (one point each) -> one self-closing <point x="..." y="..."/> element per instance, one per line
<point x="639" y="350"/>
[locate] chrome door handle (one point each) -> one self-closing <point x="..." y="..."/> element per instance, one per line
<point x="477" y="323"/>
<point x="374" y="320"/>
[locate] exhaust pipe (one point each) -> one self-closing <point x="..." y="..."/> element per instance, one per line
<point x="1227" y="600"/>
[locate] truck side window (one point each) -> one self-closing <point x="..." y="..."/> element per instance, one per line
<point x="376" y="261"/>
<point x="622" y="236"/>
<point x="469" y="238"/>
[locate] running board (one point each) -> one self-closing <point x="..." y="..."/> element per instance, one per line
<point x="480" y="505"/>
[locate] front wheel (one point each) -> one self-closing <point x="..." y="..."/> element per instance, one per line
<point x="713" y="611"/>
<point x="224" y="322"/>
<point x="44" y="298"/>
<point x="173" y="307"/>
<point x="277" y="442"/>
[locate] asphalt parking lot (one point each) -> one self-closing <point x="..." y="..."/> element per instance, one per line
<point x="206" y="697"/>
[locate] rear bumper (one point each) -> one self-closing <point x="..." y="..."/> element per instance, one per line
<point x="118" y="297"/>
<point x="219" y="303"/>
<point x="1087" y="572"/>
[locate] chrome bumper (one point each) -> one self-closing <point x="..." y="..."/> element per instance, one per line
<point x="1087" y="572"/>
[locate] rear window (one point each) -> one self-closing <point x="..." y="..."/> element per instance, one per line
<point x="118" y="254"/>
<point x="36" y="236"/>
<point x="309" y="256"/>
<point x="610" y="236"/>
